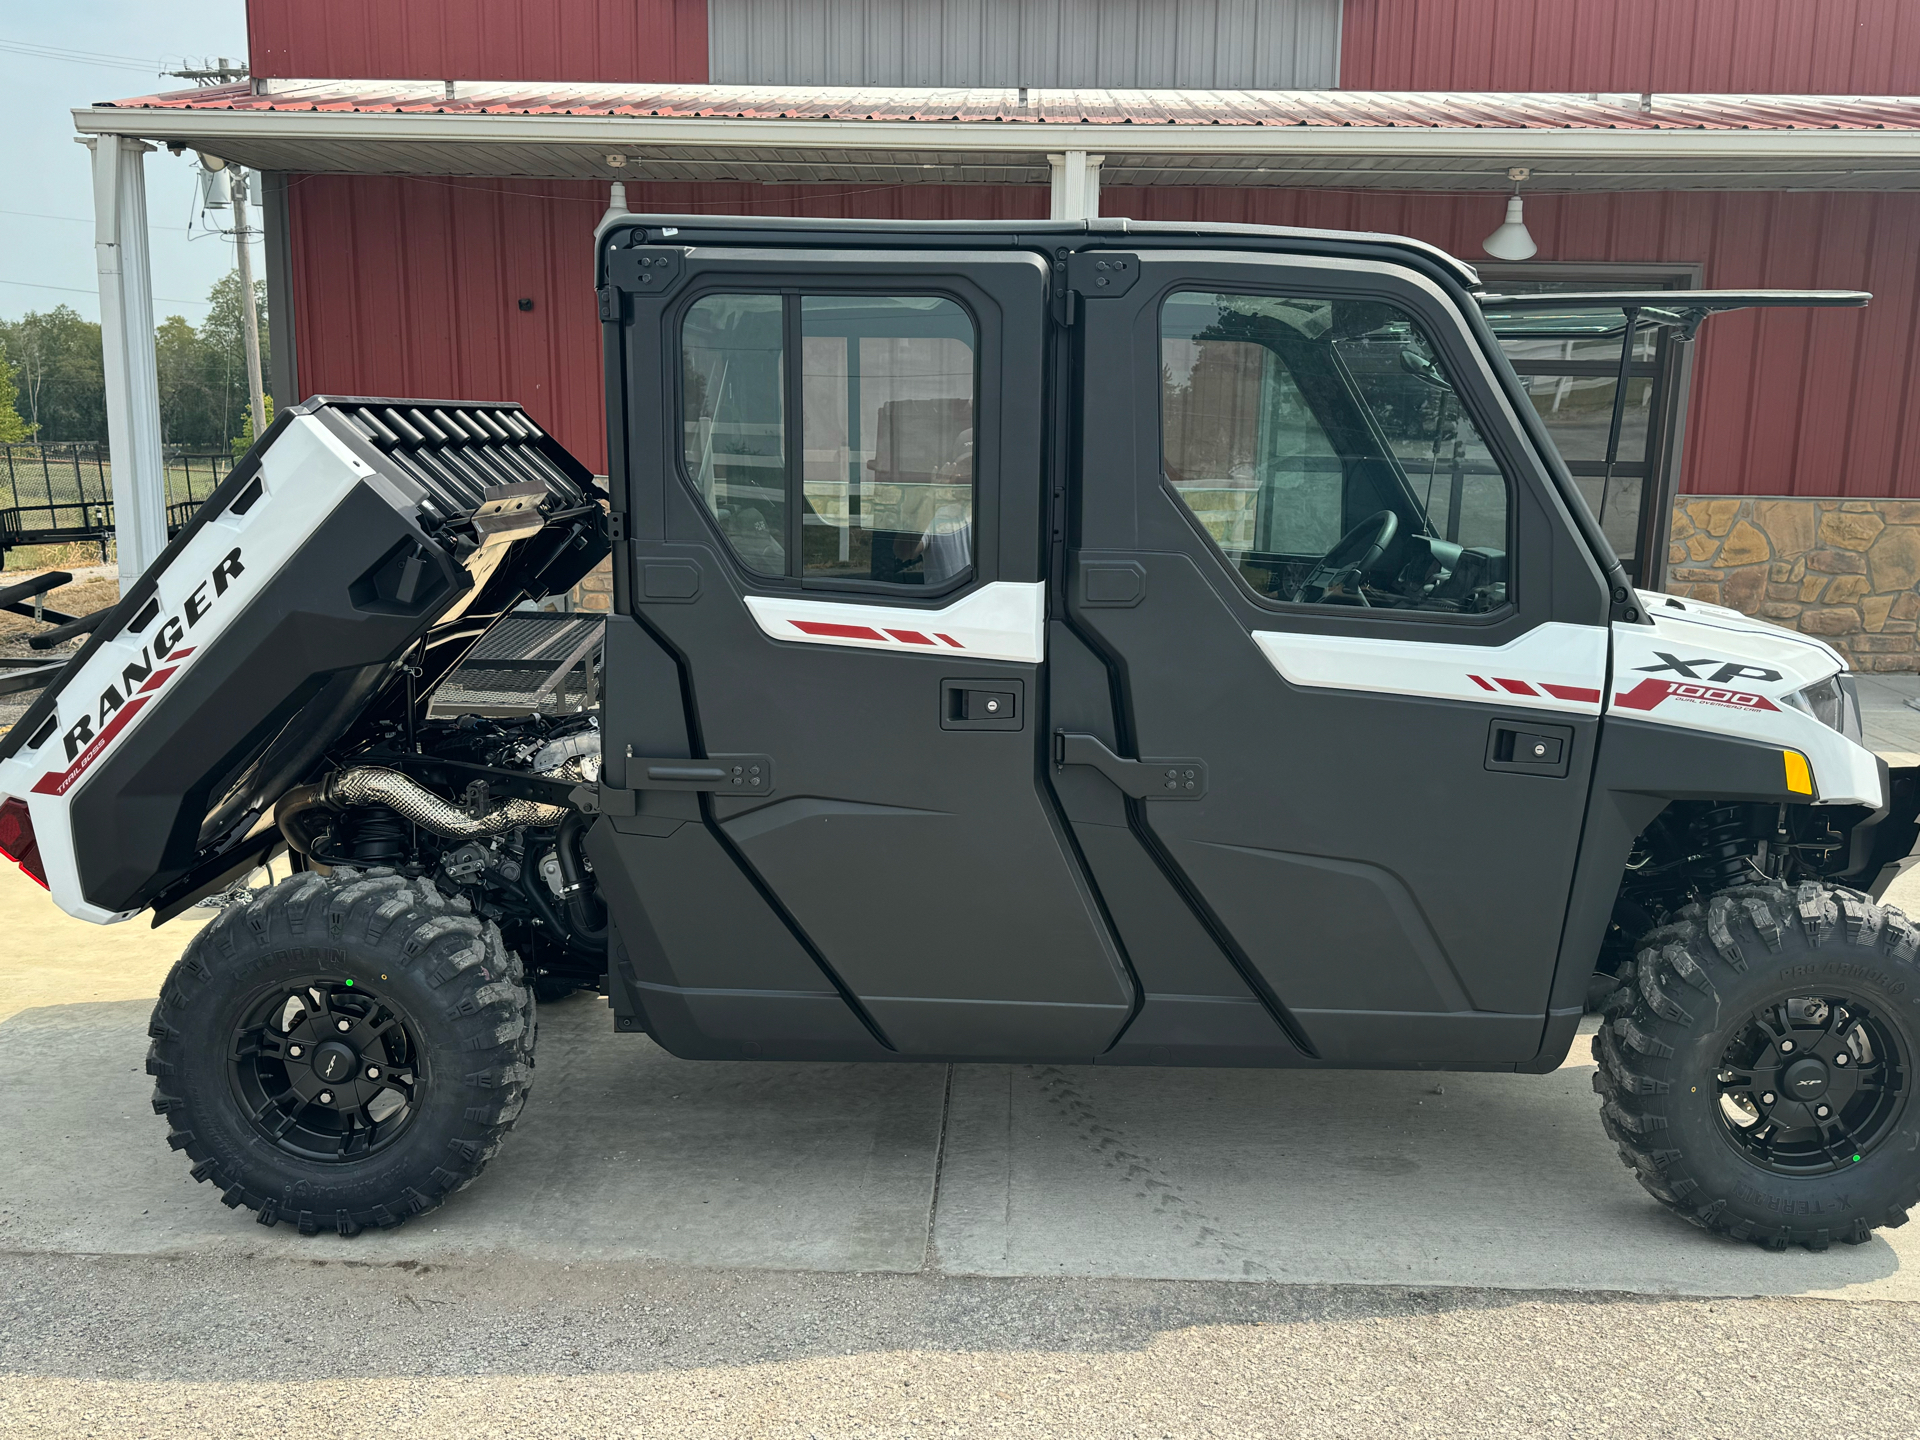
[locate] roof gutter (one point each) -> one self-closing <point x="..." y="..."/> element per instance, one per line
<point x="986" y="138"/>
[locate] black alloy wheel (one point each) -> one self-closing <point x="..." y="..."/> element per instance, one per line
<point x="1813" y="1084"/>
<point x="326" y="1068"/>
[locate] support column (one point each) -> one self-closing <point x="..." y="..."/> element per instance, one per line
<point x="1075" y="189"/>
<point x="127" y="356"/>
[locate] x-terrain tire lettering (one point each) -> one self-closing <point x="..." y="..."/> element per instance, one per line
<point x="1757" y="1065"/>
<point x="344" y="1052"/>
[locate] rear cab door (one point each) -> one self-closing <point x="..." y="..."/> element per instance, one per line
<point x="835" y="576"/>
<point x="1346" y="617"/>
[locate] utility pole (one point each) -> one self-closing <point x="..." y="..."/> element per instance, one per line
<point x="226" y="73"/>
<point x="241" y="235"/>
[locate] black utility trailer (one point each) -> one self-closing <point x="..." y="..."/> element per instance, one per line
<point x="1091" y="643"/>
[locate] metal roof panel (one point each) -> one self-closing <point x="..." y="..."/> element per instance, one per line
<point x="1065" y="108"/>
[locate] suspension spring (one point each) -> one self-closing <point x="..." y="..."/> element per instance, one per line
<point x="379" y="836"/>
<point x="1724" y="847"/>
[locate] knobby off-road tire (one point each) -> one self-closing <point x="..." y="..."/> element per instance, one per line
<point x="344" y="1052"/>
<point x="1706" y="1010"/>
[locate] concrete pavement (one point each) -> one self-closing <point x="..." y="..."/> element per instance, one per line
<point x="192" y="1346"/>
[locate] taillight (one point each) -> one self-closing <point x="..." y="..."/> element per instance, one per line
<point x="16" y="839"/>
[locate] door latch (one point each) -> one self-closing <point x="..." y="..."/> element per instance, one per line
<point x="1146" y="779"/>
<point x="1529" y="747"/>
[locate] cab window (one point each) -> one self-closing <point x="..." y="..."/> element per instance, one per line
<point x="1323" y="448"/>
<point x="864" y="475"/>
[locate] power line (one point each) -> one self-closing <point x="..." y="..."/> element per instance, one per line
<point x="81" y="57"/>
<point x="79" y="290"/>
<point x="36" y="215"/>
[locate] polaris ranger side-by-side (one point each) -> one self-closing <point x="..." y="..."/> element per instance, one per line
<point x="1098" y="643"/>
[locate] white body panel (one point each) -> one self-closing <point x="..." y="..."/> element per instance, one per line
<point x="1552" y="667"/>
<point x="304" y="475"/>
<point x="1004" y="620"/>
<point x="1733" y="679"/>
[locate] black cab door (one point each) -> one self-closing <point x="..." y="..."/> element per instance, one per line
<point x="834" y="578"/>
<point x="1340" y="609"/>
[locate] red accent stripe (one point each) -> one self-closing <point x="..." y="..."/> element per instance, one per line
<point x="912" y="637"/>
<point x="1481" y="683"/>
<point x="1572" y="692"/>
<point x="154" y="680"/>
<point x="838" y="631"/>
<point x="950" y="640"/>
<point x="58" y="783"/>
<point x="1516" y="687"/>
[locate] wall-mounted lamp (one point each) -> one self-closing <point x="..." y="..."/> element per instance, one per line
<point x="616" y="204"/>
<point x="1510" y="241"/>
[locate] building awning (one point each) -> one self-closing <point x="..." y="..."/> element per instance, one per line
<point x="1350" y="139"/>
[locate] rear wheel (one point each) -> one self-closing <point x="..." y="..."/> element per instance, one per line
<point x="1757" y="1066"/>
<point x="344" y="1051"/>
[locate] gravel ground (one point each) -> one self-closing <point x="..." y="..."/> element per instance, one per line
<point x="102" y="1346"/>
<point x="93" y="588"/>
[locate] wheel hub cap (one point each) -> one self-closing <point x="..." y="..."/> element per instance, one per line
<point x="1806" y="1079"/>
<point x="335" y="1061"/>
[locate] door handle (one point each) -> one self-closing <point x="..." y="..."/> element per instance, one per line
<point x="1146" y="779"/>
<point x="738" y="774"/>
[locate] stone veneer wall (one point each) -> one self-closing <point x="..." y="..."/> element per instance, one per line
<point x="1844" y="570"/>
<point x="596" y="589"/>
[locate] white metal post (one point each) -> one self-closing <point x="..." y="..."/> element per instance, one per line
<point x="1074" y="192"/>
<point x="127" y="356"/>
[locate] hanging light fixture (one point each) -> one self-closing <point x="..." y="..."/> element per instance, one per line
<point x="1510" y="241"/>
<point x="616" y="204"/>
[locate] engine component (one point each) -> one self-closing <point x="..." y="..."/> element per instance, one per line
<point x="377" y="785"/>
<point x="468" y="864"/>
<point x="583" y="747"/>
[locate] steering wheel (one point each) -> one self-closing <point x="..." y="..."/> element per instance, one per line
<point x="1354" y="554"/>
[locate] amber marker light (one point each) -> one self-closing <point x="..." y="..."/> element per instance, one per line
<point x="1800" y="778"/>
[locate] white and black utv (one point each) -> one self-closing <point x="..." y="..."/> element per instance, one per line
<point x="1085" y="643"/>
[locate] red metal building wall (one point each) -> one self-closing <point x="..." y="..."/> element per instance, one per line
<point x="1785" y="403"/>
<point x="1779" y="47"/>
<point x="561" y="40"/>
<point x="412" y="286"/>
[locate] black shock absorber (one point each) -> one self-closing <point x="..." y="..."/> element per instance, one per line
<point x="377" y="836"/>
<point x="1723" y="842"/>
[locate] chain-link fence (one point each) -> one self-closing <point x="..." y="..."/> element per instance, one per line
<point x="62" y="493"/>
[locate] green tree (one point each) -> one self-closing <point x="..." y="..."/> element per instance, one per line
<point x="57" y="371"/>
<point x="186" y="414"/>
<point x="245" y="439"/>
<point x="224" y="365"/>
<point x="61" y="388"/>
<point x="12" y="427"/>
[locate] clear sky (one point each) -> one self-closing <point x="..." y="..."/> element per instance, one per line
<point x="117" y="48"/>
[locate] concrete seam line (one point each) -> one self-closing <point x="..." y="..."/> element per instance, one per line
<point x="940" y="1161"/>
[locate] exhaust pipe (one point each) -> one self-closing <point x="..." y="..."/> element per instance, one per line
<point x="379" y="786"/>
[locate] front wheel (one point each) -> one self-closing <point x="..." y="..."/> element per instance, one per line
<point x="343" y="1052"/>
<point x="1757" y="1065"/>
